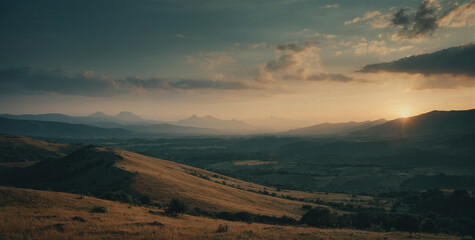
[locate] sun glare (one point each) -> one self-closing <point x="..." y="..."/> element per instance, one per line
<point x="404" y="113"/>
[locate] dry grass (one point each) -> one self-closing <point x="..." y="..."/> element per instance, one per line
<point x="17" y="141"/>
<point x="163" y="180"/>
<point x="32" y="214"/>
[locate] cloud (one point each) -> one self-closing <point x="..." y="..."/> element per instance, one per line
<point x="291" y="55"/>
<point x="210" y="60"/>
<point x="283" y="63"/>
<point x="455" y="61"/>
<point x="336" y="5"/>
<point x="368" y="15"/>
<point x="179" y="35"/>
<point x="305" y="74"/>
<point x="426" y="20"/>
<point x="27" y="80"/>
<point x="375" y="18"/>
<point x="441" y="82"/>
<point x="296" y="61"/>
<point x="377" y="47"/>
<point x="459" y="16"/>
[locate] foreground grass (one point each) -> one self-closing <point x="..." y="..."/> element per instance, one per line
<point x="30" y="214"/>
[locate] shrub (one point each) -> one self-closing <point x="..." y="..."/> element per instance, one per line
<point x="317" y="217"/>
<point x="145" y="200"/>
<point x="175" y="207"/>
<point x="120" y="196"/>
<point x="98" y="209"/>
<point x="222" y="228"/>
<point x="306" y="207"/>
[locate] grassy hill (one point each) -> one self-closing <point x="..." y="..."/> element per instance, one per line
<point x="20" y="151"/>
<point x="103" y="172"/>
<point x="431" y="123"/>
<point x="33" y="214"/>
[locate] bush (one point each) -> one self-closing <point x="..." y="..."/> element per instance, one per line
<point x="317" y="217"/>
<point x="175" y="207"/>
<point x="120" y="196"/>
<point x="98" y="209"/>
<point x="222" y="228"/>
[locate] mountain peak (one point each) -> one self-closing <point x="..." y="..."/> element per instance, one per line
<point x="128" y="116"/>
<point x="209" y="121"/>
<point x="98" y="115"/>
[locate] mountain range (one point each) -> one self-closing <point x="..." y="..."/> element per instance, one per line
<point x="127" y="124"/>
<point x="334" y="128"/>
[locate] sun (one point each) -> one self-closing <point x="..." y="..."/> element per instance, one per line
<point x="404" y="113"/>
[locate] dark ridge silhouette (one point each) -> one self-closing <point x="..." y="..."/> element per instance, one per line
<point x="334" y="128"/>
<point x="431" y="123"/>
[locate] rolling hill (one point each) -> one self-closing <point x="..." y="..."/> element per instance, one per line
<point x="431" y="123"/>
<point x="18" y="150"/>
<point x="103" y="172"/>
<point x="215" y="123"/>
<point x="50" y="129"/>
<point x="68" y="216"/>
<point x="121" y="118"/>
<point x="333" y="128"/>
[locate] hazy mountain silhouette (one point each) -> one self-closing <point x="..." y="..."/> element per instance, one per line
<point x="212" y="122"/>
<point x="334" y="128"/>
<point x="96" y="119"/>
<point x="50" y="129"/>
<point x="170" y="129"/>
<point x="278" y="124"/>
<point x="431" y="123"/>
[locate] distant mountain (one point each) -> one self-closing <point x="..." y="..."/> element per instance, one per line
<point x="214" y="123"/>
<point x="99" y="115"/>
<point x="431" y="123"/>
<point x="96" y="119"/>
<point x="50" y="129"/>
<point x="129" y="117"/>
<point x="169" y="129"/>
<point x="278" y="124"/>
<point x="334" y="128"/>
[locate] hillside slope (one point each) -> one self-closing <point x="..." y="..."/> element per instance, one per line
<point x="431" y="123"/>
<point x="67" y="216"/>
<point x="20" y="149"/>
<point x="103" y="172"/>
<point x="58" y="129"/>
<point x="334" y="128"/>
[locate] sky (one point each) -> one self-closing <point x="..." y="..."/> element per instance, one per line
<point x="323" y="61"/>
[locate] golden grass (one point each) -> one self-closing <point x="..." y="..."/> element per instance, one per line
<point x="32" y="214"/>
<point x="17" y="141"/>
<point x="164" y="180"/>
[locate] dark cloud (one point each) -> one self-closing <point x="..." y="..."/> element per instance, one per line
<point x="336" y="77"/>
<point x="289" y="55"/>
<point x="24" y="80"/>
<point x="456" y="61"/>
<point x="302" y="75"/>
<point x="293" y="47"/>
<point x="422" y="22"/>
<point x="284" y="62"/>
